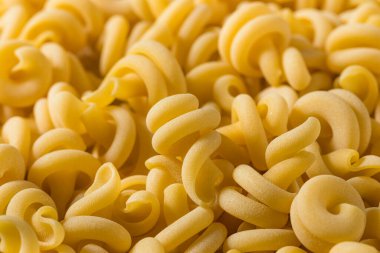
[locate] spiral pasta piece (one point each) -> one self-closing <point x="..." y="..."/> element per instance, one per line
<point x="339" y="130"/>
<point x="348" y="247"/>
<point x="25" y="74"/>
<point x="101" y="231"/>
<point x="176" y="121"/>
<point x="353" y="44"/>
<point x="12" y="21"/>
<point x="128" y="80"/>
<point x="352" y="78"/>
<point x="17" y="235"/>
<point x="247" y="128"/>
<point x="244" y="33"/>
<point x="338" y="215"/>
<point x="57" y="172"/>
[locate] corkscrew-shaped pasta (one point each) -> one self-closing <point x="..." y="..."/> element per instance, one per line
<point x="58" y="172"/>
<point x="204" y="48"/>
<point x="247" y="129"/>
<point x="178" y="232"/>
<point x="25" y="74"/>
<point x="149" y="70"/>
<point x="25" y="201"/>
<point x="177" y="122"/>
<point x="353" y="44"/>
<point x="244" y="33"/>
<point x="57" y="139"/>
<point x="260" y="240"/>
<point x="347" y="163"/>
<point x="337" y="216"/>
<point x="69" y="23"/>
<point x="12" y="164"/>
<point x="366" y="13"/>
<point x="340" y="129"/>
<point x="267" y="208"/>
<point x="17" y="236"/>
<point x="362" y="83"/>
<point x="135" y="208"/>
<point x="103" y="234"/>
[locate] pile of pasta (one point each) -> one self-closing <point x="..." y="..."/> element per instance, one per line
<point x="197" y="126"/>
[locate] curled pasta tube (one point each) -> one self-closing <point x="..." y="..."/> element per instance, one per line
<point x="12" y="21"/>
<point x="57" y="173"/>
<point x="108" y="234"/>
<point x="362" y="115"/>
<point x="353" y="44"/>
<point x="260" y="240"/>
<point x="338" y="130"/>
<point x="84" y="11"/>
<point x="203" y="49"/>
<point x="367" y="13"/>
<point x="114" y="141"/>
<point x="337" y="216"/>
<point x="295" y="69"/>
<point x="17" y="236"/>
<point x="136" y="209"/>
<point x="12" y="164"/>
<point x="57" y="139"/>
<point x="202" y="80"/>
<point x="247" y="129"/>
<point x="38" y="209"/>
<point x="197" y="164"/>
<point x="177" y="123"/>
<point x="149" y="70"/>
<point x="67" y="67"/>
<point x="102" y="193"/>
<point x="112" y="42"/>
<point x="351" y="247"/>
<point x="25" y="74"/>
<point x="244" y="33"/>
<point x="55" y="25"/>
<point x="17" y="132"/>
<point x="347" y="163"/>
<point x="362" y="83"/>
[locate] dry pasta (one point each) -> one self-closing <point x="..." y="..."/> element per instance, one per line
<point x="189" y="126"/>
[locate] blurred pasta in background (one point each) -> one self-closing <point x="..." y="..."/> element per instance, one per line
<point x="197" y="126"/>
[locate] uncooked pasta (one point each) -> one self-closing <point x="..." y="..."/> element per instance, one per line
<point x="189" y="126"/>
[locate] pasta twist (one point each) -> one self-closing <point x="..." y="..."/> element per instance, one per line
<point x="12" y="21"/>
<point x="215" y="81"/>
<point x="17" y="236"/>
<point x="348" y="247"/>
<point x="362" y="83"/>
<point x="247" y="128"/>
<point x="58" y="172"/>
<point x="334" y="133"/>
<point x="25" y="74"/>
<point x="260" y="240"/>
<point x="149" y="70"/>
<point x="328" y="5"/>
<point x="366" y="13"/>
<point x="96" y="232"/>
<point x="26" y="202"/>
<point x="264" y="207"/>
<point x="347" y="163"/>
<point x="337" y="216"/>
<point x="177" y="121"/>
<point x="353" y="44"/>
<point x="367" y="188"/>
<point x="244" y="33"/>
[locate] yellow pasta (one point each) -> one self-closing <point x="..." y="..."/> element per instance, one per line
<point x="195" y="126"/>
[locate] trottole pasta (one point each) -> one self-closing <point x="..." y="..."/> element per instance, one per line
<point x="196" y="126"/>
